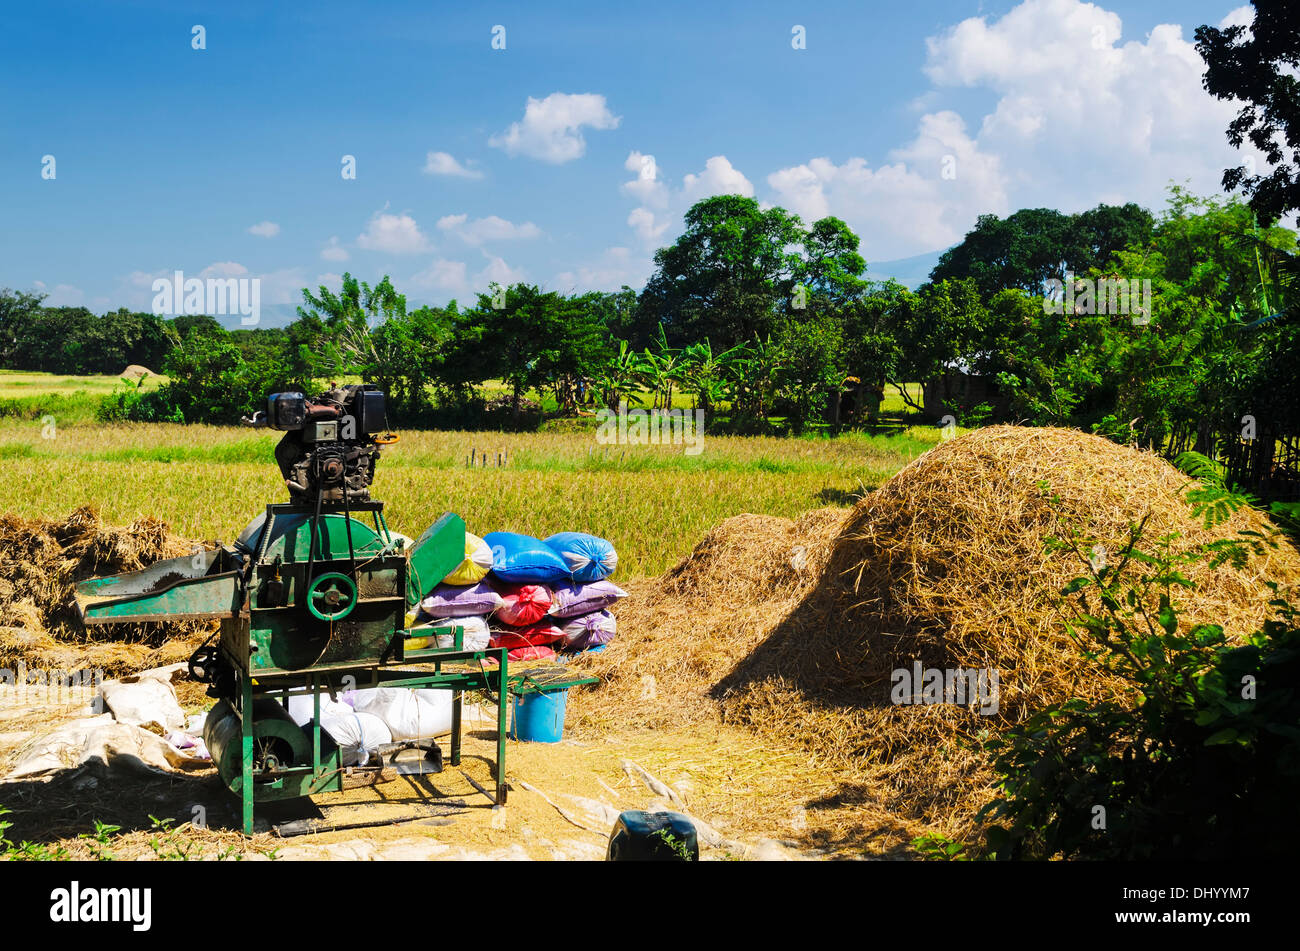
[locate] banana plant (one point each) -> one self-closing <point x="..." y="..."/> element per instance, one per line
<point x="753" y="377"/>
<point x="706" y="373"/>
<point x="663" y="366"/>
<point x="622" y="376"/>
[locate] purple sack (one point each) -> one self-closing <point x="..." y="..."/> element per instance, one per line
<point x="453" y="600"/>
<point x="572" y="600"/>
<point x="590" y="630"/>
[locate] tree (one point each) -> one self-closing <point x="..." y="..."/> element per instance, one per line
<point x="810" y="367"/>
<point x="333" y="340"/>
<point x="1023" y="250"/>
<point x="944" y="324"/>
<point x="623" y="316"/>
<point x="1257" y="65"/>
<point x="1100" y="233"/>
<point x="832" y="267"/>
<point x="18" y="311"/>
<point x="1035" y="245"/>
<point x="874" y="325"/>
<point x="1187" y="375"/>
<point x="367" y="332"/>
<point x="529" y="339"/>
<point x="619" y="375"/>
<point x="121" y="338"/>
<point x="729" y="274"/>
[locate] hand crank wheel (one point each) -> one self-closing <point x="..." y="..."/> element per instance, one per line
<point x="331" y="597"/>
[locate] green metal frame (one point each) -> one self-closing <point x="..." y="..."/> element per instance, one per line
<point x="326" y="774"/>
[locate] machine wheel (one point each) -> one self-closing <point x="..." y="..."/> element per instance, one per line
<point x="331" y="597"/>
<point x="278" y="743"/>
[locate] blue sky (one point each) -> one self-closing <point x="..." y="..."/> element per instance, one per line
<point x="907" y="120"/>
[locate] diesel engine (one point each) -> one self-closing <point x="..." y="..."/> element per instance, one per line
<point x="331" y="442"/>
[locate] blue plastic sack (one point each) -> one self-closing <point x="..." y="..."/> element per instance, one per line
<point x="524" y="559"/>
<point x="588" y="557"/>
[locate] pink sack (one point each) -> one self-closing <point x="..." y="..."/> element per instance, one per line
<point x="523" y="604"/>
<point x="536" y="652"/>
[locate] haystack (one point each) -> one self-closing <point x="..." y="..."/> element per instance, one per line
<point x="794" y="628"/>
<point x="42" y="560"/>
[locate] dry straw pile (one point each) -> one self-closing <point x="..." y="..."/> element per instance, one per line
<point x="794" y="628"/>
<point x="41" y="561"/>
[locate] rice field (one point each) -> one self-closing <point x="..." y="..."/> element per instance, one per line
<point x="653" y="501"/>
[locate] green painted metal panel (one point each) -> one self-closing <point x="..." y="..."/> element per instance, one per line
<point x="435" y="555"/>
<point x="185" y="587"/>
<point x="291" y="538"/>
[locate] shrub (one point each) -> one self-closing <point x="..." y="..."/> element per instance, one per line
<point x="1205" y="760"/>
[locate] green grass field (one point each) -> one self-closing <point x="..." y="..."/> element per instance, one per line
<point x="653" y="501"/>
<point x="69" y="399"/>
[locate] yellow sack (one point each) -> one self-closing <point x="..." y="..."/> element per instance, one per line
<point x="477" y="563"/>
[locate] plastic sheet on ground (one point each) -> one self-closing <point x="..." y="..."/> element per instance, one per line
<point x="102" y="744"/>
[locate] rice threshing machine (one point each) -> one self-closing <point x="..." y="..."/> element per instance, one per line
<point x="313" y="599"/>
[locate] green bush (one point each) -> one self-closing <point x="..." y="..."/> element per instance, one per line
<point x="1204" y="764"/>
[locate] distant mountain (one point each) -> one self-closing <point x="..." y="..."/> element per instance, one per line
<point x="910" y="272"/>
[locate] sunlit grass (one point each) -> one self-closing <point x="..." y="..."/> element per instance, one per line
<point x="19" y="383"/>
<point x="653" y="502"/>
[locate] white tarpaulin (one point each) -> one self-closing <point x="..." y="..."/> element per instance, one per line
<point x="102" y="743"/>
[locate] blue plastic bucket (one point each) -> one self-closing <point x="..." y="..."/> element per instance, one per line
<point x="539" y="717"/>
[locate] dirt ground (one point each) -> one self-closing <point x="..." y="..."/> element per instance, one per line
<point x="563" y="801"/>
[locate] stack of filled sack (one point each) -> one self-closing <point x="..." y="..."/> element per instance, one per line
<point x="361" y="721"/>
<point x="532" y="596"/>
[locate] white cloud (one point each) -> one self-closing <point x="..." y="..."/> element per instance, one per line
<point x="551" y="129"/>
<point x="497" y="271"/>
<point x="1080" y="117"/>
<point x="394" y="234"/>
<point x="265" y="229"/>
<point x="662" y="205"/>
<point x="906" y="206"/>
<point x="144" y="278"/>
<point x="646" y="226"/>
<point x="442" y="275"/>
<point x="1242" y="16"/>
<point x="329" y="278"/>
<point x="223" y="269"/>
<point x="718" y="178"/>
<point x="491" y="228"/>
<point x="333" y="251"/>
<point x="615" y="267"/>
<point x="61" y="295"/>
<point x="1083" y="116"/>
<point x="452" y="278"/>
<point x="442" y="163"/>
<point x="282" y="288"/>
<point x="647" y="188"/>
